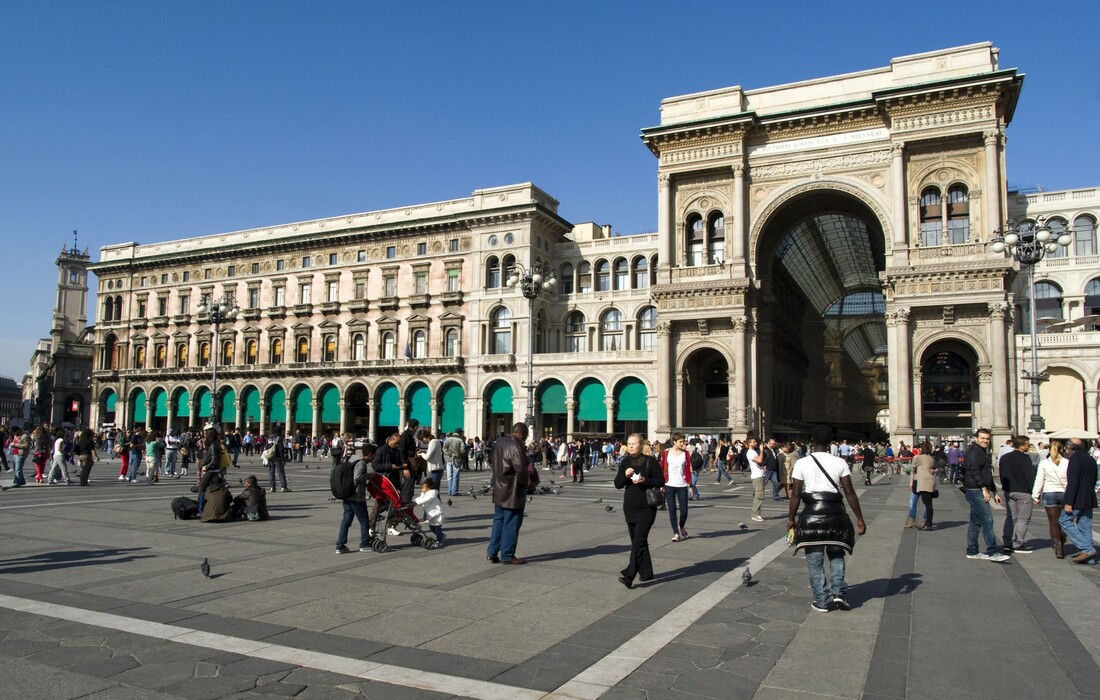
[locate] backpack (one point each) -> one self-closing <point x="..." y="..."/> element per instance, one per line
<point x="184" y="508"/>
<point x="342" y="481"/>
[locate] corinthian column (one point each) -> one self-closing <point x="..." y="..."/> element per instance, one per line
<point x="739" y="217"/>
<point x="999" y="365"/>
<point x="992" y="187"/>
<point x="739" y="397"/>
<point x="664" y="376"/>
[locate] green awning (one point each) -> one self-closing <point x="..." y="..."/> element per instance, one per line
<point x="183" y="404"/>
<point x="112" y="401"/>
<point x="205" y="401"/>
<point x="630" y="398"/>
<point x="591" y="401"/>
<point x="552" y="397"/>
<point x="229" y="406"/>
<point x="454" y="408"/>
<point x="303" y="411"/>
<point x="160" y="404"/>
<point x="330" y="405"/>
<point x="251" y="398"/>
<point x="276" y="406"/>
<point x="500" y="398"/>
<point x="139" y="415"/>
<point x="388" y="413"/>
<point x="420" y="404"/>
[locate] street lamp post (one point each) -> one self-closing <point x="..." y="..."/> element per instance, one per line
<point x="218" y="312"/>
<point x="532" y="282"/>
<point x="1028" y="242"/>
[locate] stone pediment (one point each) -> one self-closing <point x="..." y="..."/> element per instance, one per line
<point x="275" y="329"/>
<point x="302" y="327"/>
<point x="451" y="317"/>
<point x="357" y="323"/>
<point x="418" y="318"/>
<point x="328" y="324"/>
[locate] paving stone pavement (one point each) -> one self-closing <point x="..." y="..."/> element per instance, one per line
<point x="100" y="597"/>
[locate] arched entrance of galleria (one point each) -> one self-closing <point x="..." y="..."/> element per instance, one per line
<point x="822" y="350"/>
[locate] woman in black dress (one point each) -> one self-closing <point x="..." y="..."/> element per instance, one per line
<point x="637" y="474"/>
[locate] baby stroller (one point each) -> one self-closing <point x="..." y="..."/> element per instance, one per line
<point x="390" y="512"/>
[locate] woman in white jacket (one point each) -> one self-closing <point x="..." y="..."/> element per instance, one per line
<point x="433" y="455"/>
<point x="1050" y="487"/>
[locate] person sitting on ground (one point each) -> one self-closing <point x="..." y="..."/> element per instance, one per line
<point x="251" y="504"/>
<point x="214" y="496"/>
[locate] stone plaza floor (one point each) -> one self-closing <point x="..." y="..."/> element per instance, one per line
<point x="101" y="597"/>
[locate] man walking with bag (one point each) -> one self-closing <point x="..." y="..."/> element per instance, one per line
<point x="510" y="478"/>
<point x="824" y="528"/>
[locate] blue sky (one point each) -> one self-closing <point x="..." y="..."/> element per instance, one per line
<point x="149" y="121"/>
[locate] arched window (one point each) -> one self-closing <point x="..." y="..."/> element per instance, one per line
<point x="716" y="238"/>
<point x="584" y="277"/>
<point x="118" y="308"/>
<point x="450" y="344"/>
<point x="641" y="273"/>
<point x="603" y="276"/>
<point x="647" y="328"/>
<point x="358" y="347"/>
<point x="1092" y="300"/>
<point x="329" y="344"/>
<point x="204" y="354"/>
<point x="566" y="278"/>
<point x="696" y="240"/>
<point x="575" y="336"/>
<point x="1084" y="235"/>
<point x="139" y="357"/>
<point x="1048" y="304"/>
<point x="389" y="345"/>
<point x="277" y="351"/>
<point x="508" y="266"/>
<point x="160" y="356"/>
<point x="108" y="310"/>
<point x="251" y="352"/>
<point x="492" y="273"/>
<point x="958" y="214"/>
<point x="227" y="352"/>
<point x="1057" y="228"/>
<point x="931" y="211"/>
<point x="110" y="352"/>
<point x="500" y="331"/>
<point x="611" y="330"/>
<point x="181" y="354"/>
<point x="622" y="274"/>
<point x="653" y="271"/>
<point x="420" y="344"/>
<point x="301" y="353"/>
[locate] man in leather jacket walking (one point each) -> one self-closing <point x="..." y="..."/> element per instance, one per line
<point x="510" y="479"/>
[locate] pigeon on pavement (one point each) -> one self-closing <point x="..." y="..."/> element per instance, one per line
<point x="449" y="502"/>
<point x="742" y="526"/>
<point x="746" y="577"/>
<point x="598" y="500"/>
<point x="608" y="508"/>
<point x="205" y="567"/>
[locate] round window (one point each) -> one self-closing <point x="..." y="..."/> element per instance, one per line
<point x="492" y="240"/>
<point x="509" y="238"/>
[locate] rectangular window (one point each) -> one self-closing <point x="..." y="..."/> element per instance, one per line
<point x="333" y="291"/>
<point x="253" y="297"/>
<point x="280" y="296"/>
<point x="141" y="309"/>
<point x="305" y="294"/>
<point x="231" y="271"/>
<point x="931" y="233"/>
<point x="332" y="258"/>
<point x="185" y="304"/>
<point x="391" y="287"/>
<point x="452" y="245"/>
<point x="255" y="268"/>
<point x="421" y="283"/>
<point x="280" y="265"/>
<point x="186" y="276"/>
<point x="162" y="306"/>
<point x="164" y="278"/>
<point x="391" y="252"/>
<point x="143" y="281"/>
<point x="452" y="280"/>
<point x="306" y="262"/>
<point x="206" y="274"/>
<point x="421" y="248"/>
<point x="361" y="256"/>
<point x="360" y="290"/>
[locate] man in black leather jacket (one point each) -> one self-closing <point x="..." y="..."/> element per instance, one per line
<point x="979" y="489"/>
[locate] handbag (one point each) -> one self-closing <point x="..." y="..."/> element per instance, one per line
<point x="936" y="493"/>
<point x="224" y="461"/>
<point x="653" y="497"/>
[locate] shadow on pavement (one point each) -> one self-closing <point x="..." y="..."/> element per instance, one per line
<point x="860" y="593"/>
<point x="711" y="566"/>
<point x="48" y="561"/>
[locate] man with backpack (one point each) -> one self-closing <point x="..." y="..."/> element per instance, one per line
<point x="452" y="458"/>
<point x="348" y="481"/>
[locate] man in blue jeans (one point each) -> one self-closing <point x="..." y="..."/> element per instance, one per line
<point x="355" y="507"/>
<point x="980" y="490"/>
<point x="1079" y="501"/>
<point x="509" y="463"/>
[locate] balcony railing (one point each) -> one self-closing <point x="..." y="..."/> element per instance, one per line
<point x="939" y="252"/>
<point x="1078" y="338"/>
<point x="604" y="357"/>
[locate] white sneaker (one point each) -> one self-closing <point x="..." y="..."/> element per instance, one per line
<point x="121" y="477"/>
<point x="999" y="557"/>
<point x="979" y="555"/>
<point x="758" y="518"/>
<point x="393" y="531"/>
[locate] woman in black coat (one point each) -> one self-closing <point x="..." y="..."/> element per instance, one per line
<point x="637" y="474"/>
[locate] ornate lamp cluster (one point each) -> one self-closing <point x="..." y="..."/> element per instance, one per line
<point x="218" y="312"/>
<point x="532" y="282"/>
<point x="1028" y="242"/>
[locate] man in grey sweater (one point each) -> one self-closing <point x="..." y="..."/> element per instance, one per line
<point x="1017" y="479"/>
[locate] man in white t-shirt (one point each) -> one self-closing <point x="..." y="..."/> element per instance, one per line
<point x="756" y="472"/>
<point x="828" y="531"/>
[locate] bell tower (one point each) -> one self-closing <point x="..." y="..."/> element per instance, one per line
<point x="70" y="314"/>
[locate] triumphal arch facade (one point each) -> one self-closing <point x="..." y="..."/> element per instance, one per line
<point x="825" y="255"/>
